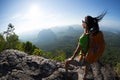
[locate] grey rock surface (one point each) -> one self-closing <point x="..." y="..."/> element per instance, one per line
<point x="16" y="65"/>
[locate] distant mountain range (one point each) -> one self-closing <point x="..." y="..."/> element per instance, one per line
<point x="58" y="34"/>
<point x="46" y="37"/>
<point x="59" y="31"/>
<point x="66" y="37"/>
<point x="58" y="37"/>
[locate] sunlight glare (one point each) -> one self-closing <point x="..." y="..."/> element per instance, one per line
<point x="33" y="11"/>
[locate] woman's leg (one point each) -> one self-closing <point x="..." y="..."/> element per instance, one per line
<point x="85" y="71"/>
<point x="68" y="62"/>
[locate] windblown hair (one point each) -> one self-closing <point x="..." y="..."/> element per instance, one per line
<point x="92" y="22"/>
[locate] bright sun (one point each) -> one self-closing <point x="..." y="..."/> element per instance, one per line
<point x="34" y="8"/>
<point x="33" y="11"/>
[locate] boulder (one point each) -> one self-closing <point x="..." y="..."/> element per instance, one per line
<point x="17" y="65"/>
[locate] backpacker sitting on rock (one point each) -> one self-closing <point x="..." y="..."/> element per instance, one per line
<point x="89" y="47"/>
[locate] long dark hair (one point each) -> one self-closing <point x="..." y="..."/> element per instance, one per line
<point x="92" y="22"/>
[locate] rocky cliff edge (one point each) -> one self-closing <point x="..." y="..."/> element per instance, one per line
<point x="16" y="65"/>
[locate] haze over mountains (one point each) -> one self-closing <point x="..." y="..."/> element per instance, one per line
<point x="66" y="37"/>
<point x="50" y="35"/>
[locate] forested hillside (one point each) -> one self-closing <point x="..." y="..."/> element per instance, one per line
<point x="10" y="40"/>
<point x="67" y="39"/>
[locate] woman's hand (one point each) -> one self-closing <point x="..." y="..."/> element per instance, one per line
<point x="72" y="58"/>
<point x="69" y="59"/>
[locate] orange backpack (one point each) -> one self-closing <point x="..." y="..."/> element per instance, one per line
<point x="96" y="48"/>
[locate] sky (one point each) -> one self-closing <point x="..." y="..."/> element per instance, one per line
<point x="28" y="15"/>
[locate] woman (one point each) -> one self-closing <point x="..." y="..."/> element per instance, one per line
<point x="91" y="27"/>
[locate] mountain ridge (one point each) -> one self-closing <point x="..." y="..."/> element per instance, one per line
<point x="71" y="31"/>
<point x="33" y="35"/>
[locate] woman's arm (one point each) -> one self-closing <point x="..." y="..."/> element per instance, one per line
<point x="76" y="51"/>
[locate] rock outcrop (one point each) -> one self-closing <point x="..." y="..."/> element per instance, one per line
<point x="16" y="65"/>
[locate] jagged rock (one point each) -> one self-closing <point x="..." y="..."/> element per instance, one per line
<point x="16" y="65"/>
